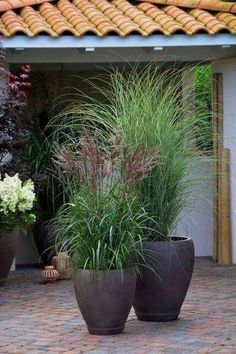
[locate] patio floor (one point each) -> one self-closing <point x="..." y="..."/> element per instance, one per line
<point x="37" y="318"/>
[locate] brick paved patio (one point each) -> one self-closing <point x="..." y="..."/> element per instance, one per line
<point x="36" y="318"/>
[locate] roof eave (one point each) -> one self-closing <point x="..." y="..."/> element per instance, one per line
<point x="135" y="41"/>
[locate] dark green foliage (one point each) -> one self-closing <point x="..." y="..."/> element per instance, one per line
<point x="48" y="189"/>
<point x="104" y="224"/>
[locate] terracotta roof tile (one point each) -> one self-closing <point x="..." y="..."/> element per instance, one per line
<point x="233" y="9"/>
<point x="186" y="20"/>
<point x="6" y="5"/>
<point x="213" y="5"/>
<point x="228" y="19"/>
<point x="120" y="17"/>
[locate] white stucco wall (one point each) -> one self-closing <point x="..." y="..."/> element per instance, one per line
<point x="197" y="222"/>
<point x="228" y="68"/>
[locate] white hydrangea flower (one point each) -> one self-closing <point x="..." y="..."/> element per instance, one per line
<point x="15" y="195"/>
<point x="26" y="196"/>
<point x="9" y="189"/>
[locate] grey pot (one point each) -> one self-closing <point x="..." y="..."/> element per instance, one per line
<point x="8" y="244"/>
<point x="44" y="240"/>
<point x="105" y="299"/>
<point x="160" y="295"/>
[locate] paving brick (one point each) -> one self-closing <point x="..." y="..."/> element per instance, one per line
<point x="37" y="318"/>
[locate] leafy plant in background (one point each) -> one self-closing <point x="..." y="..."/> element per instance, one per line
<point x="13" y="99"/>
<point x="146" y="107"/>
<point x="39" y="156"/>
<point x="203" y="100"/>
<point x="102" y="226"/>
<point x="203" y="88"/>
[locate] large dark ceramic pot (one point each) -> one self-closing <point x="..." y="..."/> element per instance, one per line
<point x="160" y="295"/>
<point x="8" y="244"/>
<point x="105" y="299"/>
<point x="44" y="240"/>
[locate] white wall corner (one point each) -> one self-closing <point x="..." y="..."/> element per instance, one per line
<point x="197" y="223"/>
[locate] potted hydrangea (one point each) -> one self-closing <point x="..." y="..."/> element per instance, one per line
<point x="16" y="202"/>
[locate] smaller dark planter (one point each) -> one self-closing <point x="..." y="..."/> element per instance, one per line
<point x="159" y="296"/>
<point x="44" y="241"/>
<point x="105" y="299"/>
<point x="8" y="244"/>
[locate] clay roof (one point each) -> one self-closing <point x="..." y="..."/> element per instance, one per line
<point x="120" y="17"/>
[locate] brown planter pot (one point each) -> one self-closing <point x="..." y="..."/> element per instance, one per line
<point x="160" y="294"/>
<point x="105" y="300"/>
<point x="8" y="244"/>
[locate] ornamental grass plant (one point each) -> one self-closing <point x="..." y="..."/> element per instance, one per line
<point x="149" y="107"/>
<point x="103" y="226"/>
